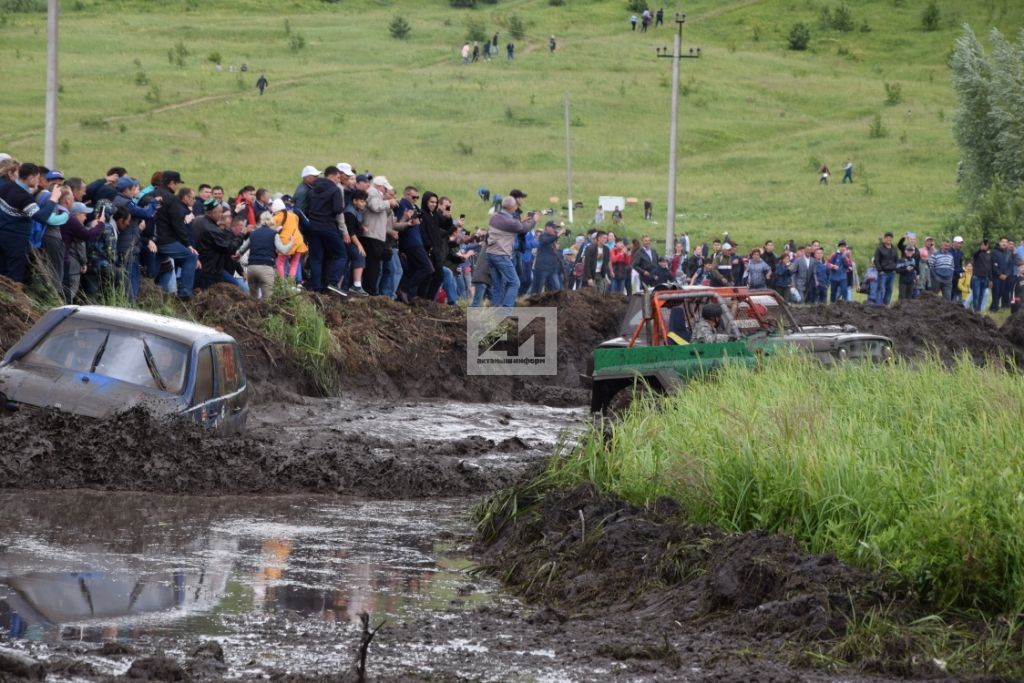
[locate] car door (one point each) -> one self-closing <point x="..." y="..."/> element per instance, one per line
<point x="206" y="404"/>
<point x="231" y="388"/>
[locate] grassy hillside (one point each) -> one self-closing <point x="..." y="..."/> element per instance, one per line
<point x="757" y="119"/>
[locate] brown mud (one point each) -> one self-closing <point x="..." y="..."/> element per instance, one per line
<point x="312" y="447"/>
<point x="926" y="325"/>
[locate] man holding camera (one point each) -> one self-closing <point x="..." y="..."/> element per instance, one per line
<point x="547" y="271"/>
<point x="504" y="229"/>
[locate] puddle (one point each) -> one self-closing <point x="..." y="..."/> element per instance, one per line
<point x="95" y="566"/>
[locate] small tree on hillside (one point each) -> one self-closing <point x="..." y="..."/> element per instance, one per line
<point x="399" y="28"/>
<point x="636" y="6"/>
<point x="516" y="27"/>
<point x="799" y="36"/>
<point x="930" y="17"/>
<point x="475" y="31"/>
<point x="842" y="19"/>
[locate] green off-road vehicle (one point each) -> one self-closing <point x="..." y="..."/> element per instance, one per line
<point x="654" y="348"/>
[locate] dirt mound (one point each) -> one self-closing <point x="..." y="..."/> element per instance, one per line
<point x="17" y="313"/>
<point x="135" y="451"/>
<point x="598" y="553"/>
<point x="920" y="326"/>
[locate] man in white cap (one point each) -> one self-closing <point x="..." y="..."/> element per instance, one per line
<point x="958" y="265"/>
<point x="348" y="182"/>
<point x="300" y="197"/>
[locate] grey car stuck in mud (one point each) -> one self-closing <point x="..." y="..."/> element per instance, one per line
<point x="97" y="361"/>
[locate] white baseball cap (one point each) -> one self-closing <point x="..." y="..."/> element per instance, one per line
<point x="346" y="169"/>
<point x="278" y="204"/>
<point x="382" y="180"/>
<point x="308" y="171"/>
<point x="4" y="156"/>
<point x="726" y="246"/>
<point x="958" y="238"/>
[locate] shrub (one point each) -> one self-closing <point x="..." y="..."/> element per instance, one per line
<point x="296" y="42"/>
<point x="893" y="94"/>
<point x="23" y="6"/>
<point x="516" y="28"/>
<point x="475" y="31"/>
<point x="877" y="129"/>
<point x="930" y="17"/>
<point x="637" y="6"/>
<point x="556" y="3"/>
<point x="214" y="57"/>
<point x="462" y="4"/>
<point x="399" y="28"/>
<point x="799" y="36"/>
<point x="842" y="19"/>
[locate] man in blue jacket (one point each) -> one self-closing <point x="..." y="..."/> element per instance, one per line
<point x="547" y="270"/>
<point x="1003" y="270"/>
<point x="18" y="210"/>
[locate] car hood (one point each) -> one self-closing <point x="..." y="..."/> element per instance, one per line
<point x="80" y="393"/>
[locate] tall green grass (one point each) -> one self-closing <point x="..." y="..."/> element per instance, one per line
<point x="917" y="469"/>
<point x="299" y="326"/>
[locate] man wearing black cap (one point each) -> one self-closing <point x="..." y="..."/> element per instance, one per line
<point x="173" y="248"/>
<point x="547" y="271"/>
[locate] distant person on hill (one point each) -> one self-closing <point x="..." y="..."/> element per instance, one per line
<point x="262" y="83"/>
<point x="476" y="51"/>
<point x="494" y="44"/>
<point x="551" y="44"/>
<point x="659" y="17"/>
<point x="648" y="209"/>
<point x="599" y="216"/>
<point x="510" y="51"/>
<point x="632" y="21"/>
<point x="465" y="53"/>
<point x="645" y="20"/>
<point x="848" y="172"/>
<point x="616" y="215"/>
<point x="824" y="173"/>
<point x="487" y="50"/>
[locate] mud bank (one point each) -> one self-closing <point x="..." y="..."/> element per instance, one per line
<point x="926" y="325"/>
<point x="360" y="448"/>
<point x="669" y="595"/>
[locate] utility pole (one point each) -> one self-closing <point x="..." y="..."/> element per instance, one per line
<point x="673" y="136"/>
<point x="50" y="145"/>
<point x="568" y="155"/>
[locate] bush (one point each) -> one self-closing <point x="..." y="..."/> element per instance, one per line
<point x="877" y="129"/>
<point x="556" y="3"/>
<point x="296" y="42"/>
<point x="214" y="57"/>
<point x="475" y="31"/>
<point x="931" y="16"/>
<point x="462" y="4"/>
<point x="399" y="28"/>
<point x="23" y="6"/>
<point x="799" y="36"/>
<point x="893" y="94"/>
<point x="637" y="6"/>
<point x="516" y="28"/>
<point x="842" y="20"/>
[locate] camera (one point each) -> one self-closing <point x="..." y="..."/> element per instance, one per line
<point x="417" y="212"/>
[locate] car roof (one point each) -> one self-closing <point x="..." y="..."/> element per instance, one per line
<point x="161" y="325"/>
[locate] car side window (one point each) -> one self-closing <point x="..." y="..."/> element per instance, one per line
<point x="228" y="371"/>
<point x="204" y="376"/>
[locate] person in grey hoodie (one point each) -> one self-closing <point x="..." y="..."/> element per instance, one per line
<point x="504" y="227"/>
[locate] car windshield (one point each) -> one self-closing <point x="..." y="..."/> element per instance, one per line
<point x="131" y="356"/>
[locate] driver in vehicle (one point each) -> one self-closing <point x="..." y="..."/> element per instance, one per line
<point x="706" y="330"/>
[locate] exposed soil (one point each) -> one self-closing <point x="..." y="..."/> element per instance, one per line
<point x="137" y="452"/>
<point x="929" y="324"/>
<point x="17" y="313"/>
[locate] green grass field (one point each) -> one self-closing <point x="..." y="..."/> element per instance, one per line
<point x="756" y="119"/>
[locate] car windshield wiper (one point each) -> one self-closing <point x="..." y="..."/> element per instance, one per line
<point x="99" y="354"/>
<point x="151" y="364"/>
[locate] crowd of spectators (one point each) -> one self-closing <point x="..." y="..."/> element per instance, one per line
<point x="351" y="234"/>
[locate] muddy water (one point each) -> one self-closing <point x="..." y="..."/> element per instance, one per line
<point x="279" y="581"/>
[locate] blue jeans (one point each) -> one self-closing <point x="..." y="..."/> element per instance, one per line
<point x="451" y="289"/>
<point x="13" y="255"/>
<point x="978" y="287"/>
<point x="478" y="295"/>
<point x="184" y="259"/>
<point x="873" y="291"/>
<point x="504" y="280"/>
<point x="390" y="275"/>
<point x="130" y="266"/>
<point x="839" y="288"/>
<point x="885" y="281"/>
<point x="549" y="280"/>
<point x="526" y="277"/>
<point x="227" y="277"/>
<point x="327" y="259"/>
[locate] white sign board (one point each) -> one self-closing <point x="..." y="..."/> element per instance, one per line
<point x="609" y="203"/>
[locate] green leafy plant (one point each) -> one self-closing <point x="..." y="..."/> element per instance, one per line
<point x="931" y="16"/>
<point x="893" y="94"/>
<point x="399" y="28"/>
<point x="516" y="27"/>
<point x="799" y="36"/>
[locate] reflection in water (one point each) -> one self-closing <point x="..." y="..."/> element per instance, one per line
<point x="99" y="566"/>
